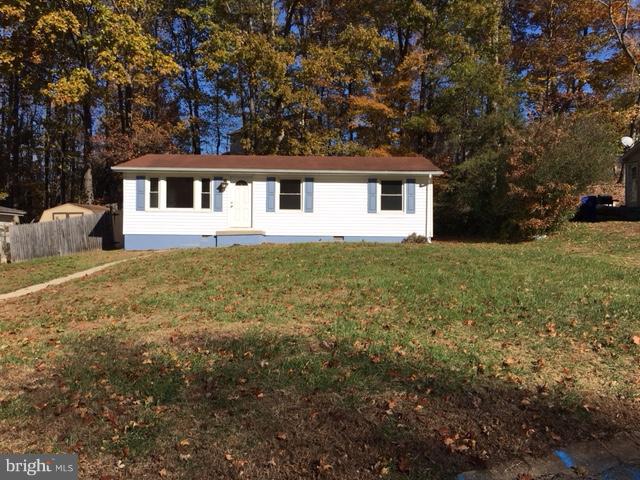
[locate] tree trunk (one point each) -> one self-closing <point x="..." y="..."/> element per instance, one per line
<point x="195" y="129"/>
<point x="15" y="140"/>
<point x="88" y="185"/>
<point x="87" y="147"/>
<point x="47" y="159"/>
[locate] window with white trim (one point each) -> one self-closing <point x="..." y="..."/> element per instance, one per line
<point x="179" y="192"/>
<point x="154" y="193"/>
<point x="205" y="193"/>
<point x="290" y="194"/>
<point x="391" y="195"/>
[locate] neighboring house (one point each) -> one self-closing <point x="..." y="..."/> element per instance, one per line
<point x="631" y="171"/>
<point x="10" y="216"/>
<point x="68" y="210"/>
<point x="208" y="200"/>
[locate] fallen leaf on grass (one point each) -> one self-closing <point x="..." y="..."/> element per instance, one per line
<point x="538" y="364"/>
<point x="323" y="467"/>
<point x="636" y="339"/>
<point x="404" y="465"/>
<point x="163" y="472"/>
<point x="507" y="362"/>
<point x="456" y="443"/>
<point x="281" y="436"/>
<point x="399" y="351"/>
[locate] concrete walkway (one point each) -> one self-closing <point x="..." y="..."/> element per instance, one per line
<point x="58" y="281"/>
<point x="615" y="459"/>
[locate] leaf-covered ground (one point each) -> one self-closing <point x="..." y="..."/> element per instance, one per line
<point x="329" y="360"/>
<point x="14" y="276"/>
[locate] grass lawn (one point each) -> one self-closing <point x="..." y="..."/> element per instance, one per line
<point x="14" y="276"/>
<point x="329" y="360"/>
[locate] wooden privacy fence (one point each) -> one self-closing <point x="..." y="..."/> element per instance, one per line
<point x="60" y="237"/>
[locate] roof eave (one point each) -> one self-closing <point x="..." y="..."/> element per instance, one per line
<point x="274" y="170"/>
<point x="17" y="213"/>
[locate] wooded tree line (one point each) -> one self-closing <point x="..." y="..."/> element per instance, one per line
<point x="491" y="90"/>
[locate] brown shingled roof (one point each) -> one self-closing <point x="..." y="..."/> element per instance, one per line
<point x="280" y="163"/>
<point x="11" y="211"/>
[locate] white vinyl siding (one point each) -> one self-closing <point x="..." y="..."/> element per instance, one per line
<point x="340" y="209"/>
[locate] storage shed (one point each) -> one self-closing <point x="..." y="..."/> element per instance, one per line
<point x="68" y="210"/>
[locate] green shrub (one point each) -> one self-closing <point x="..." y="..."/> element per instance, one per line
<point x="530" y="185"/>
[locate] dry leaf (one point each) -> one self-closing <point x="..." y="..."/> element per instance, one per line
<point x="399" y="351"/>
<point x="323" y="466"/>
<point x="507" y="362"/>
<point x="404" y="465"/>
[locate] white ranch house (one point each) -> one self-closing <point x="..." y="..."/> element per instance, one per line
<point x="174" y="201"/>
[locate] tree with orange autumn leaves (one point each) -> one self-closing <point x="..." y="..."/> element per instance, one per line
<point x="462" y="82"/>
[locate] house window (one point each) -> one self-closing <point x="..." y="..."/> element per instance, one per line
<point x="290" y="196"/>
<point x="154" y="192"/>
<point x="205" y="197"/>
<point x="391" y="195"/>
<point x="179" y="192"/>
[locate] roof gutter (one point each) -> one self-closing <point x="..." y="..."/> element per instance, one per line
<point x="263" y="170"/>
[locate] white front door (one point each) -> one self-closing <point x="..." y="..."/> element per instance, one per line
<point x="240" y="208"/>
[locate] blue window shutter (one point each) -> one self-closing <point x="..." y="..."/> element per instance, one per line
<point x="217" y="194"/>
<point x="411" y="195"/>
<point x="140" y="193"/>
<point x="308" y="194"/>
<point x="372" y="195"/>
<point x="271" y="194"/>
